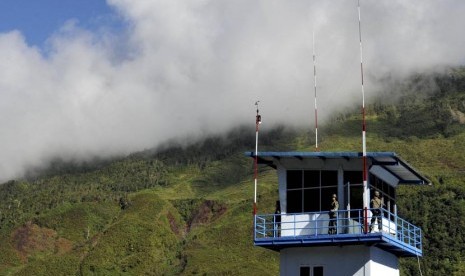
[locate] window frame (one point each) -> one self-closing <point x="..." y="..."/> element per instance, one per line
<point x="308" y="196"/>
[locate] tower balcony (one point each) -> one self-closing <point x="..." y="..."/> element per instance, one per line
<point x="349" y="227"/>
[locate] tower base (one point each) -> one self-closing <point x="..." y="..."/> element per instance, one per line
<point x="359" y="260"/>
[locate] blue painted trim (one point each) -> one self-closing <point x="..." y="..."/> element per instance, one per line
<point x="400" y="237"/>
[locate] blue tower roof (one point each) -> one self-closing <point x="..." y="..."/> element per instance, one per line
<point x="390" y="161"/>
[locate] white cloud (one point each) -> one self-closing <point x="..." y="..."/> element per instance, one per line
<point x="194" y="67"/>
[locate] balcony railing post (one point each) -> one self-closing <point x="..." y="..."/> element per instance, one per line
<point x="365" y="221"/>
<point x="396" y="229"/>
<point x="294" y="224"/>
<point x="275" y="226"/>
<point x="410" y="234"/>
<point x="255" y="226"/>
<point x="315" y="228"/>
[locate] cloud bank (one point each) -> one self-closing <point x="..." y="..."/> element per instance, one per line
<point x="181" y="68"/>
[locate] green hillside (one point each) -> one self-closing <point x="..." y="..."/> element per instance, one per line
<point x="187" y="209"/>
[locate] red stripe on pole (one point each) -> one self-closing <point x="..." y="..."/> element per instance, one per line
<point x="258" y="120"/>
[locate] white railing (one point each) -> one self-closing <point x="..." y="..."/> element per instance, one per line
<point x="353" y="222"/>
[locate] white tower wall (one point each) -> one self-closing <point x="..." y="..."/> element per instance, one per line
<point x="359" y="260"/>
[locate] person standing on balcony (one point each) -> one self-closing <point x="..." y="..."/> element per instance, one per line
<point x="277" y="219"/>
<point x="376" y="205"/>
<point x="333" y="215"/>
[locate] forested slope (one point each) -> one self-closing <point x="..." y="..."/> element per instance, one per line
<point x="187" y="208"/>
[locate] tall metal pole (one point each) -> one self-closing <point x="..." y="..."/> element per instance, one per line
<point x="258" y="121"/>
<point x="364" y="154"/>
<point x="314" y="82"/>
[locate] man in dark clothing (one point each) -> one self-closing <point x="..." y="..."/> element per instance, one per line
<point x="277" y="219"/>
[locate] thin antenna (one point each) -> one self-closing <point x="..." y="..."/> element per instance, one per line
<point x="258" y="121"/>
<point x="314" y="82"/>
<point x="364" y="148"/>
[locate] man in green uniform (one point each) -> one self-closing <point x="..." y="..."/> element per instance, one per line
<point x="376" y="204"/>
<point x="333" y="215"/>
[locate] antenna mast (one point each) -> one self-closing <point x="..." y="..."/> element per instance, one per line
<point x="258" y="121"/>
<point x="364" y="155"/>
<point x="314" y="82"/>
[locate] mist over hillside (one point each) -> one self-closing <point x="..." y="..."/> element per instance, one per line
<point x="185" y="208"/>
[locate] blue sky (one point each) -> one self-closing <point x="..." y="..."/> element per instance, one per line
<point x="133" y="74"/>
<point x="38" y="19"/>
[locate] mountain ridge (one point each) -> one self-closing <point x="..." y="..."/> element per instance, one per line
<point x="187" y="209"/>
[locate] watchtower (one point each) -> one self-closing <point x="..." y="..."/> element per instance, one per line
<point x="313" y="243"/>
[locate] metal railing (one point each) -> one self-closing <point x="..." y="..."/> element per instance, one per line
<point x="343" y="222"/>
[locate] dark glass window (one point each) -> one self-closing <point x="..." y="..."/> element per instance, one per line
<point x="353" y="177"/>
<point x="391" y="192"/>
<point x="304" y="271"/>
<point x="310" y="191"/>
<point x="356" y="200"/>
<point x="317" y="271"/>
<point x="328" y="178"/>
<point x="311" y="179"/>
<point x="312" y="200"/>
<point x="294" y="179"/>
<point x="294" y="201"/>
<point x="356" y="197"/>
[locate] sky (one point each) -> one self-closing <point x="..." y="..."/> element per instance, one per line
<point x="39" y="19"/>
<point x="94" y="78"/>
